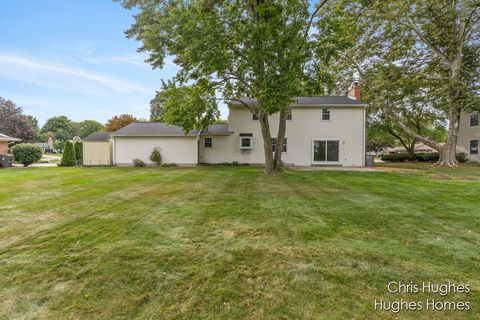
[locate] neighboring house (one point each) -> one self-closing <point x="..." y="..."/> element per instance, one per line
<point x="4" y="143"/>
<point x="97" y="149"/>
<point x="47" y="147"/>
<point x="320" y="131"/>
<point x="469" y="135"/>
<point x="419" y="148"/>
<point x="5" y="158"/>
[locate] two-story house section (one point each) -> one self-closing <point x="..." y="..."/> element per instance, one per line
<point x="327" y="130"/>
<point x="469" y="135"/>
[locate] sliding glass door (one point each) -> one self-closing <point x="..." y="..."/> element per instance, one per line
<point x="326" y="150"/>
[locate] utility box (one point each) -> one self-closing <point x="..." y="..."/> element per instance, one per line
<point x="369" y="159"/>
<point x="5" y="161"/>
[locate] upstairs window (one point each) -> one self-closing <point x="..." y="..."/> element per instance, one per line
<point x="325" y="114"/>
<point x="289" y="114"/>
<point x="274" y="145"/>
<point x="208" y="142"/>
<point x="255" y="114"/>
<point x="473" y="146"/>
<point x="474" y="119"/>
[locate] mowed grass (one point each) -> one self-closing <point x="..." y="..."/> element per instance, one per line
<point x="232" y="243"/>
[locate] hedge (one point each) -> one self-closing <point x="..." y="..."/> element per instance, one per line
<point x="421" y="157"/>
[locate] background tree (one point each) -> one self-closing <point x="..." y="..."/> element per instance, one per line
<point x="87" y="127"/>
<point x="118" y="122"/>
<point x="14" y="123"/>
<point x="61" y="127"/>
<point x="156" y="107"/>
<point x="256" y="49"/>
<point x="391" y="95"/>
<point x="434" y="41"/>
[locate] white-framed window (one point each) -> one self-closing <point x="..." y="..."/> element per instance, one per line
<point x="207" y="142"/>
<point x="326" y="150"/>
<point x="246" y="141"/>
<point x="473" y="146"/>
<point x="474" y="119"/>
<point x="255" y="114"/>
<point x="274" y="145"/>
<point x="289" y="114"/>
<point x="325" y="114"/>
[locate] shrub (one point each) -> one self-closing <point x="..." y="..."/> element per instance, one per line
<point x="138" y="163"/>
<point x="396" y="157"/>
<point x="169" y="165"/>
<point x="78" y="146"/>
<point x="27" y="153"/>
<point x="68" y="157"/>
<point x="462" y="157"/>
<point x="156" y="157"/>
<point x="431" y="157"/>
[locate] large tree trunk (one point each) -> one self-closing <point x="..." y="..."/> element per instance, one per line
<point x="267" y="141"/>
<point x="282" y="124"/>
<point x="448" y="151"/>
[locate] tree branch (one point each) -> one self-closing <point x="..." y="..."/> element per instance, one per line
<point x="429" y="44"/>
<point x="310" y="22"/>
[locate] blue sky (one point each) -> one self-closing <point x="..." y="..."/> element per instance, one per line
<point x="71" y="57"/>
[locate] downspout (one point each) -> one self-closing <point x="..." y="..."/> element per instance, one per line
<point x="114" y="162"/>
<point x="364" y="152"/>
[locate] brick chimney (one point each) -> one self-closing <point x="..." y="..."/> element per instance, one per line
<point x="50" y="142"/>
<point x="354" y="91"/>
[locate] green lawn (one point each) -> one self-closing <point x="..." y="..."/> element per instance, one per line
<point x="232" y="243"/>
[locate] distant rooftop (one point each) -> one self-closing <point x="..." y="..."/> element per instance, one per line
<point x="341" y="101"/>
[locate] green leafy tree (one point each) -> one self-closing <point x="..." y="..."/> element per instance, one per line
<point x="156" y="107"/>
<point x="14" y="123"/>
<point x="434" y="42"/>
<point x="26" y="153"/>
<point x="230" y="48"/>
<point x="68" y="157"/>
<point x="78" y="147"/>
<point x="156" y="157"/>
<point x="87" y="127"/>
<point x="61" y="127"/>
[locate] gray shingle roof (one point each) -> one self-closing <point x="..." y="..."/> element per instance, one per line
<point x="343" y="101"/>
<point x="98" y="136"/>
<point x="159" y="129"/>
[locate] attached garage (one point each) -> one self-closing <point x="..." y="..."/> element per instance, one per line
<point x="137" y="141"/>
<point x="98" y="149"/>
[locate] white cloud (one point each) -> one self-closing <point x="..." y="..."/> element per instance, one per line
<point x="48" y="74"/>
<point x="133" y="59"/>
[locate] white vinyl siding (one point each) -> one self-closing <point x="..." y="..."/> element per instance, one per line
<point x="468" y="132"/>
<point x="181" y="150"/>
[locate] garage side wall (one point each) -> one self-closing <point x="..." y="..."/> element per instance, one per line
<point x="97" y="153"/>
<point x="181" y="150"/>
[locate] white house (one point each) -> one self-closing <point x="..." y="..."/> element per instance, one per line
<point x="320" y="131"/>
<point x="469" y="135"/>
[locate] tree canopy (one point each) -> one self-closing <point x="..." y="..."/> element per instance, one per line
<point x="431" y="44"/>
<point x="118" y="122"/>
<point x="226" y="50"/>
<point x="14" y="123"/>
